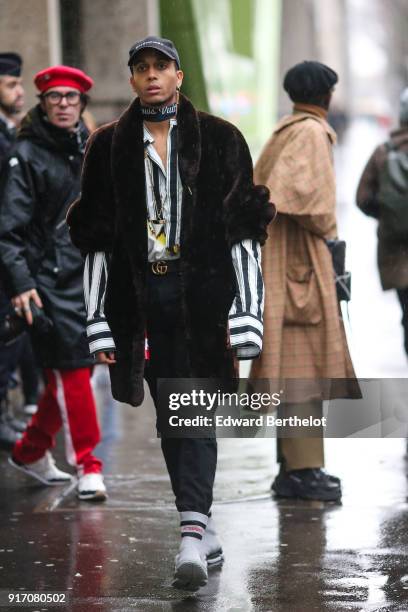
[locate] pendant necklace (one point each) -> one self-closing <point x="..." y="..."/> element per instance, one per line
<point x="156" y="225"/>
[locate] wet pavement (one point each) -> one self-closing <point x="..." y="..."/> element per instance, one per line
<point x="283" y="556"/>
<point x="280" y="556"/>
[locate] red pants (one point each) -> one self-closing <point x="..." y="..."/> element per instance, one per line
<point x="67" y="400"/>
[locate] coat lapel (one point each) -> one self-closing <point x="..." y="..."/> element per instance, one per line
<point x="129" y="174"/>
<point x="129" y="181"/>
<point x="189" y="157"/>
<point x="189" y="142"/>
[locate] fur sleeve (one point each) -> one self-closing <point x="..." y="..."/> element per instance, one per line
<point x="91" y="218"/>
<point x="247" y="210"/>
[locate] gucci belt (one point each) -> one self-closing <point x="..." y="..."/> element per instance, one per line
<point x="159" y="268"/>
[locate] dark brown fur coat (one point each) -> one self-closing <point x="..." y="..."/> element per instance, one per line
<point x="220" y="206"/>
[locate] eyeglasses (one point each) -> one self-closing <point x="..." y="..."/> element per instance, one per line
<point x="55" y="97"/>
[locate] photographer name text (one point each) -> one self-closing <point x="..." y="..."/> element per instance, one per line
<point x="261" y="420"/>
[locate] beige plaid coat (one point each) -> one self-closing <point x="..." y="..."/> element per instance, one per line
<point x="304" y="335"/>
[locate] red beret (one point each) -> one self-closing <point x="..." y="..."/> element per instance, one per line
<point x="65" y="76"/>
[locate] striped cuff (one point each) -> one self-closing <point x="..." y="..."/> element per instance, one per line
<point x="251" y="351"/>
<point x="99" y="335"/>
<point x="246" y="332"/>
<point x="193" y="524"/>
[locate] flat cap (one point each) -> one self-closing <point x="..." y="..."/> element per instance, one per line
<point x="66" y="76"/>
<point x="10" y="64"/>
<point x="308" y="80"/>
<point x="164" y="45"/>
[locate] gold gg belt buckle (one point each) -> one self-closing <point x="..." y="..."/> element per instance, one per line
<point x="159" y="268"/>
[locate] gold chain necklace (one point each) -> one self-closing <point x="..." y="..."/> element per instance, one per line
<point x="156" y="226"/>
<point x="159" y="210"/>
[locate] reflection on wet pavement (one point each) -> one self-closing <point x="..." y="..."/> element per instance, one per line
<point x="283" y="556"/>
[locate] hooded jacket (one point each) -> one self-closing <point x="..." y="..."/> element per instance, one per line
<point x="39" y="181"/>
<point x="392" y="254"/>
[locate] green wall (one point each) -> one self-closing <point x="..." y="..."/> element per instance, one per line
<point x="229" y="51"/>
<point x="177" y="23"/>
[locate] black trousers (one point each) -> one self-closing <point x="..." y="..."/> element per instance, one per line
<point x="191" y="462"/>
<point x="403" y="299"/>
<point x="19" y="353"/>
<point x="29" y="371"/>
<point x="8" y="354"/>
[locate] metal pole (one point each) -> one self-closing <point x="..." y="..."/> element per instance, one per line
<point x="54" y="32"/>
<point x="153" y="18"/>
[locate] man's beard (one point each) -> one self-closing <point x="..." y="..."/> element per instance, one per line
<point x="10" y="109"/>
<point x="166" y="102"/>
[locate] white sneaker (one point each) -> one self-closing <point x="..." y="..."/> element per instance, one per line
<point x="91" y="487"/>
<point x="30" y="409"/>
<point x="211" y="546"/>
<point x="43" y="470"/>
<point x="191" y="568"/>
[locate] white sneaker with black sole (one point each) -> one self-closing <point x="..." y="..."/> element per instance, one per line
<point x="43" y="470"/>
<point x="91" y="487"/>
<point x="191" y="568"/>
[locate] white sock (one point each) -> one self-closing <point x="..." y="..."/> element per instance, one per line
<point x="192" y="526"/>
<point x="210" y="529"/>
<point x="210" y="542"/>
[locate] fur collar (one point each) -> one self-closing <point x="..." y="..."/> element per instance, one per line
<point x="128" y="168"/>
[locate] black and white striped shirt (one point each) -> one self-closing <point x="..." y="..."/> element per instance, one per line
<point x="246" y="314"/>
<point x="163" y="185"/>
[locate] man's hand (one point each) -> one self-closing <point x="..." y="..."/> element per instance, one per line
<point x="107" y="358"/>
<point x="21" y="304"/>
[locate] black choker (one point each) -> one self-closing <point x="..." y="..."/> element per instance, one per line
<point x="161" y="113"/>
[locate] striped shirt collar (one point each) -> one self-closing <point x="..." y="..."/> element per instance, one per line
<point x="147" y="136"/>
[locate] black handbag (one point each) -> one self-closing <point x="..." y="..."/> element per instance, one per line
<point x="342" y="278"/>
